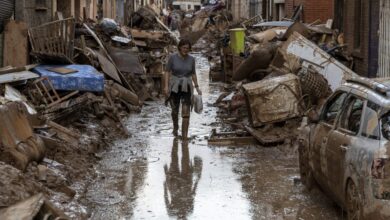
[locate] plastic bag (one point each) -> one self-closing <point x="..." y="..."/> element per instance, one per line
<point x="198" y="104"/>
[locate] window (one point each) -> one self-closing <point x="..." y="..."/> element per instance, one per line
<point x="352" y="114"/>
<point x="358" y="24"/>
<point x="333" y="107"/>
<point x="370" y="124"/>
<point x="385" y="121"/>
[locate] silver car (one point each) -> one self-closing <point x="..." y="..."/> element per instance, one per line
<point x="346" y="148"/>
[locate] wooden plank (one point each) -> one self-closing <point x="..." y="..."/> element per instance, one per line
<point x="62" y="99"/>
<point x="235" y="141"/>
<point x="16" y="44"/>
<point x="108" y="67"/>
<point x="231" y="138"/>
<point x="104" y="50"/>
<point x="63" y="129"/>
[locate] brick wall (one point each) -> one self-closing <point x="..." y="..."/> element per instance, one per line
<point x="312" y="9"/>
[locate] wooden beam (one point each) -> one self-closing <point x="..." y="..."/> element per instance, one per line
<point x="15" y="44"/>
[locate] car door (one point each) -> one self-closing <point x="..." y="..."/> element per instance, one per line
<point x="327" y="122"/>
<point x="340" y="141"/>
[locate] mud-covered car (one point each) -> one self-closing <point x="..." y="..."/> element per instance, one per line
<point x="346" y="148"/>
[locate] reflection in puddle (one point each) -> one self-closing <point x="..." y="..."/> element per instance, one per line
<point x="181" y="182"/>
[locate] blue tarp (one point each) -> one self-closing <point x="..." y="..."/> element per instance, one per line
<point x="86" y="79"/>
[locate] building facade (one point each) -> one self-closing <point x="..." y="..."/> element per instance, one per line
<point x="312" y="10"/>
<point x="359" y="21"/>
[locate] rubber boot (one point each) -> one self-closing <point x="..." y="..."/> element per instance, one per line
<point x="185" y="114"/>
<point x="184" y="127"/>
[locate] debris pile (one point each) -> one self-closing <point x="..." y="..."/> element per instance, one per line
<point x="70" y="103"/>
<point x="283" y="71"/>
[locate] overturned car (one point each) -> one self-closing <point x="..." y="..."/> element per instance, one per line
<point x="345" y="148"/>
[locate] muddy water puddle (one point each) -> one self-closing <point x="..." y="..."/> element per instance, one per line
<point x="152" y="175"/>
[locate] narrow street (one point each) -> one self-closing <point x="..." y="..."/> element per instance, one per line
<point x="151" y="175"/>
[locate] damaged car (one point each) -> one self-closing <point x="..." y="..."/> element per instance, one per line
<point x="345" y="148"/>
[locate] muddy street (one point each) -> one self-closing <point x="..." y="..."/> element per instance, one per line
<point x="215" y="109"/>
<point x="152" y="175"/>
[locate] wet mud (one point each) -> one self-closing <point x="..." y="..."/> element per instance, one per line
<point x="152" y="175"/>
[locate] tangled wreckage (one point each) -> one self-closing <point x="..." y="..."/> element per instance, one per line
<point x="67" y="101"/>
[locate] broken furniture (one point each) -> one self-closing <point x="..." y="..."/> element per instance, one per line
<point x="67" y="108"/>
<point x="45" y="91"/>
<point x="273" y="100"/>
<point x="54" y="41"/>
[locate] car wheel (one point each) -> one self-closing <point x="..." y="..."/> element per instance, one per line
<point x="353" y="202"/>
<point x="304" y="167"/>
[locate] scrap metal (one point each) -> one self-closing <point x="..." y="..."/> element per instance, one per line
<point x="310" y="54"/>
<point x="274" y="100"/>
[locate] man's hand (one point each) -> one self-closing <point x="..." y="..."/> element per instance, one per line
<point x="198" y="90"/>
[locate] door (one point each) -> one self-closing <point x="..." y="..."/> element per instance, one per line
<point x="373" y="39"/>
<point x="327" y="122"/>
<point x="340" y="141"/>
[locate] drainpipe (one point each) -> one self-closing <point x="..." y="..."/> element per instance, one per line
<point x="370" y="75"/>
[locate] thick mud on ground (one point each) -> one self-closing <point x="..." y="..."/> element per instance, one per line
<point x="151" y="175"/>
